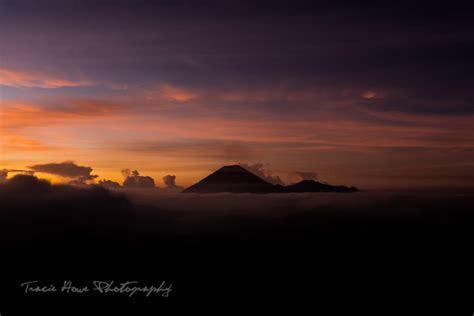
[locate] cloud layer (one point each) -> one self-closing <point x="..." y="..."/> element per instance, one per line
<point x="94" y="214"/>
<point x="81" y="216"/>
<point x="349" y="237"/>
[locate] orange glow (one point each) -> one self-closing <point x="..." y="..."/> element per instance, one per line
<point x="18" y="115"/>
<point x="172" y="93"/>
<point x="16" y="78"/>
<point x="109" y="135"/>
<point x="19" y="143"/>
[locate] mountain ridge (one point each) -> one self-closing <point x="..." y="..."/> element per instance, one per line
<point x="237" y="179"/>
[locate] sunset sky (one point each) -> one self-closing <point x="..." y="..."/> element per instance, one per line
<point x="363" y="95"/>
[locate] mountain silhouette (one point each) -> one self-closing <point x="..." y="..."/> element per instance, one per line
<point x="314" y="186"/>
<point x="236" y="179"/>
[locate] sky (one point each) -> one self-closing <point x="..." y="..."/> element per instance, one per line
<point x="370" y="95"/>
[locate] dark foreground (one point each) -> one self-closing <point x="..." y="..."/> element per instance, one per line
<point x="395" y="253"/>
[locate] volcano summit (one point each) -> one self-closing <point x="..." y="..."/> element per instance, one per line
<point x="234" y="179"/>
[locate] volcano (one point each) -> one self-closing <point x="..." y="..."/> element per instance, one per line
<point x="234" y="179"/>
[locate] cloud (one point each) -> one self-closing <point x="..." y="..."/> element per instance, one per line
<point x="135" y="180"/>
<point x="170" y="182"/>
<point x="62" y="215"/>
<point x="172" y="93"/>
<point x="67" y="169"/>
<point x="300" y="215"/>
<point x="125" y="172"/>
<point x="4" y="173"/>
<point x="31" y="79"/>
<point x="372" y="94"/>
<point x="109" y="184"/>
<point x="258" y="170"/>
<point x="81" y="181"/>
<point x="17" y="115"/>
<point x="99" y="224"/>
<point x="18" y="143"/>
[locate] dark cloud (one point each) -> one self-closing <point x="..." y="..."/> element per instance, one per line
<point x="170" y="182"/>
<point x="258" y="169"/>
<point x="54" y="215"/>
<point x="67" y="169"/>
<point x="4" y="173"/>
<point x="81" y="181"/>
<point x="135" y="180"/>
<point x="125" y="172"/>
<point x="109" y="184"/>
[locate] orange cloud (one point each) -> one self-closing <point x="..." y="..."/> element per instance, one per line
<point x="31" y="79"/>
<point x="172" y="93"/>
<point x="28" y="127"/>
<point x="22" y="143"/>
<point x="324" y="131"/>
<point x="19" y="115"/>
<point x="371" y="94"/>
